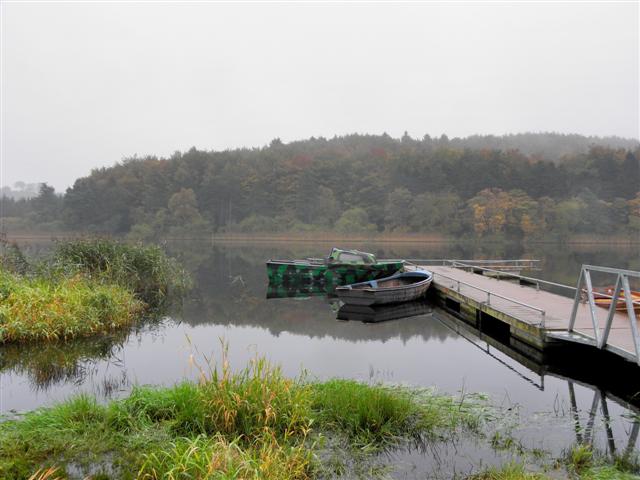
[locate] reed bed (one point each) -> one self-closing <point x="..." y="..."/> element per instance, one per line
<point x="253" y="423"/>
<point x="88" y="287"/>
<point x="380" y="415"/>
<point x="511" y="471"/>
<point x="144" y="269"/>
<point x="33" y="309"/>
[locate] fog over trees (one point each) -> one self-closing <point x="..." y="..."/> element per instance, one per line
<point x="528" y="185"/>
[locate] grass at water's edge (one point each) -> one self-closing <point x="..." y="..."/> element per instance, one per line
<point x="252" y="424"/>
<point x="34" y="309"/>
<point x="143" y="269"/>
<point x="255" y="423"/>
<point x="87" y="287"/>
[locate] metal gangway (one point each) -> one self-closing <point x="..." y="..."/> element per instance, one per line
<point x="618" y="322"/>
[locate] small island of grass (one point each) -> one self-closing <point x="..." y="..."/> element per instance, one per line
<point x="85" y="287"/>
<point x="255" y="423"/>
<point x="258" y="424"/>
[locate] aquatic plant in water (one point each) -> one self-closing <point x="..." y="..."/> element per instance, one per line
<point x="37" y="309"/>
<point x="89" y="287"/>
<point x="145" y="269"/>
<point x="251" y="423"/>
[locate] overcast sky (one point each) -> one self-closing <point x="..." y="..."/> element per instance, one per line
<point x="85" y="85"/>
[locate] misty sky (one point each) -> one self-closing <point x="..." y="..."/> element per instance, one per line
<point x="86" y="85"/>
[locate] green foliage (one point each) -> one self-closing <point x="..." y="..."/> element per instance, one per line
<point x="38" y="309"/>
<point x="217" y="458"/>
<point x="511" y="471"/>
<point x="12" y="258"/>
<point x="354" y="220"/>
<point x="563" y="184"/>
<point x="145" y="269"/>
<point x="379" y="415"/>
<point x="88" y="287"/>
<point x="252" y="423"/>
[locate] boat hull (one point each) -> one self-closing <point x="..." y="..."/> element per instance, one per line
<point x="374" y="295"/>
<point x="602" y="298"/>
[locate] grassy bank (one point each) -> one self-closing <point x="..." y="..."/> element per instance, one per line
<point x="34" y="309"/>
<point x="85" y="288"/>
<point x="251" y="424"/>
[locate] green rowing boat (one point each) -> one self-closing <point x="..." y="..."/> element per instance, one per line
<point x="341" y="267"/>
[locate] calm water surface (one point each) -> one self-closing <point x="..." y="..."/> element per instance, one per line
<point x="229" y="303"/>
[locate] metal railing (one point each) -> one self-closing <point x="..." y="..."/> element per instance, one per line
<point x="536" y="281"/>
<point x="524" y="263"/>
<point x="490" y="294"/>
<point x="621" y="285"/>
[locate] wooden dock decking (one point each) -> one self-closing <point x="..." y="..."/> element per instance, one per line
<point x="538" y="318"/>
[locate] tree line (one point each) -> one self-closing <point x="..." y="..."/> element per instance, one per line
<point x="356" y="184"/>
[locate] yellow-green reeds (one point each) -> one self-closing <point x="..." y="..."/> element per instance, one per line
<point x="34" y="309"/>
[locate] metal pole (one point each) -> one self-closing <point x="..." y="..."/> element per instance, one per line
<point x="633" y="438"/>
<point x="588" y="431"/>
<point x="607" y="423"/>
<point x="488" y="298"/>
<point x="576" y="301"/>
<point x="592" y="306"/>
<point x="574" y="412"/>
<point x="610" y="315"/>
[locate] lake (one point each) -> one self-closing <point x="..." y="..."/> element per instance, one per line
<point x="229" y="305"/>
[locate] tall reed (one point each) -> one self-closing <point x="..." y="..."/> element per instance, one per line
<point x="145" y="269"/>
<point x="37" y="309"/>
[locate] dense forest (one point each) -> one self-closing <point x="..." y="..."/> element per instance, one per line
<point x="528" y="185"/>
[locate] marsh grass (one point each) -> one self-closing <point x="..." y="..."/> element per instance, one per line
<point x="216" y="457"/>
<point x="582" y="461"/>
<point x="379" y="416"/>
<point x="12" y="258"/>
<point x="34" y="309"/>
<point x="88" y="287"/>
<point x="510" y="471"/>
<point x="250" y="423"/>
<point x="145" y="269"/>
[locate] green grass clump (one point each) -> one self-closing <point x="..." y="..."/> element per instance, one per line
<point x="88" y="287"/>
<point x="606" y="472"/>
<point x="145" y="269"/>
<point x="254" y="423"/>
<point x="217" y="458"/>
<point x="510" y="471"/>
<point x="37" y="309"/>
<point x="583" y="462"/>
<point x="379" y="415"/>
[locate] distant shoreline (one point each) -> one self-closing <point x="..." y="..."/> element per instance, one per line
<point x="332" y="237"/>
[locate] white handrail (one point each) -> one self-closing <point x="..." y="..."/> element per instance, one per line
<point x="489" y="294"/>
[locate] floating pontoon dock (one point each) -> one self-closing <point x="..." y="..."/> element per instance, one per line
<point x="531" y="312"/>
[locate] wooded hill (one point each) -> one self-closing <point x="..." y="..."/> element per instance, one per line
<point x="528" y="185"/>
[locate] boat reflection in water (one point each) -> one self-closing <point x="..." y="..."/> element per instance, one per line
<point x="361" y="313"/>
<point x="300" y="290"/>
<point x="383" y="313"/>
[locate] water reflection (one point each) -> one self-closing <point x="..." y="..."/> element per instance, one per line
<point x="50" y="364"/>
<point x="417" y="346"/>
<point x="384" y="313"/>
